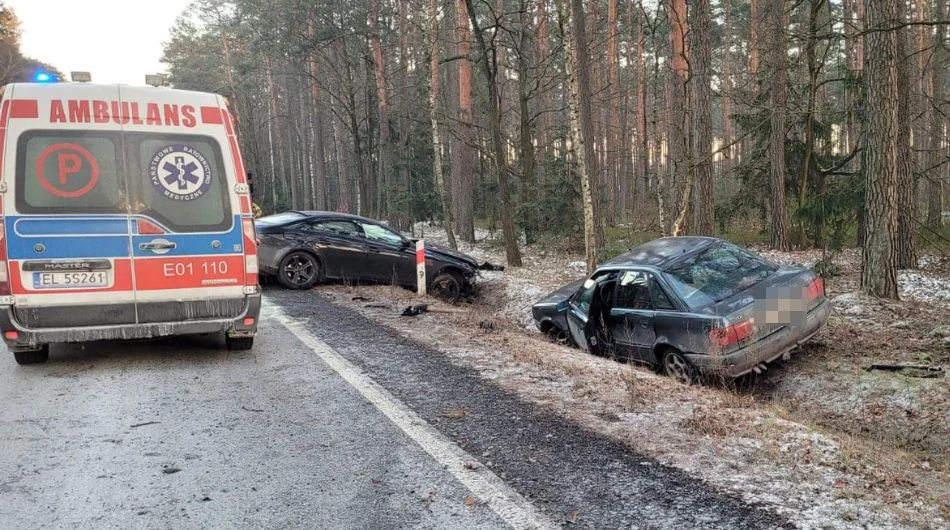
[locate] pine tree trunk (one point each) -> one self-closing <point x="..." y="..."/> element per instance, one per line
<point x="906" y="199"/>
<point x="778" y="101"/>
<point x="643" y="154"/>
<point x="464" y="177"/>
<point x="705" y="218"/>
<point x="491" y="69"/>
<point x="529" y="207"/>
<point x="319" y="154"/>
<point x="680" y="128"/>
<point x="383" y="164"/>
<point x="280" y="166"/>
<point x="574" y="29"/>
<point x="937" y="151"/>
<point x="879" y="258"/>
<point x="445" y="190"/>
<point x="612" y="174"/>
<point x="727" y="95"/>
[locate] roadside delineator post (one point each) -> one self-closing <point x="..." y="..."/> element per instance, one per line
<point x="421" y="266"/>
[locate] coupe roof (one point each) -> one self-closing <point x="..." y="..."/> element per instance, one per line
<point x="662" y="252"/>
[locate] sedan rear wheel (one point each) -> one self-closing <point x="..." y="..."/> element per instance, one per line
<point x="678" y="367"/>
<point x="298" y="270"/>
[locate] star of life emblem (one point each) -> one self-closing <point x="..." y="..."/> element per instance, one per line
<point x="180" y="172"/>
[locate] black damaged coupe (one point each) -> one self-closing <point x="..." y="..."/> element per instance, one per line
<point x="301" y="248"/>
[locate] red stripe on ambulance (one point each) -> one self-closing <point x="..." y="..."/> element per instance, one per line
<point x="211" y="115"/>
<point x="24" y="108"/>
<point x="189" y="272"/>
<point x="4" y="114"/>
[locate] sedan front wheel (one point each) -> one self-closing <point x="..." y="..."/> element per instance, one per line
<point x="298" y="270"/>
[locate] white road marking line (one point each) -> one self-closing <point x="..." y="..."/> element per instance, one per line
<point x="514" y="509"/>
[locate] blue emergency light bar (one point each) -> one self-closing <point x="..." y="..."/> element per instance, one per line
<point x="42" y="76"/>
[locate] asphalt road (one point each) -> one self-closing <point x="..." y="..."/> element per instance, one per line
<point x="329" y="422"/>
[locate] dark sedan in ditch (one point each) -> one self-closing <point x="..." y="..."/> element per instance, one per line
<point x="689" y="306"/>
<point x="301" y="248"/>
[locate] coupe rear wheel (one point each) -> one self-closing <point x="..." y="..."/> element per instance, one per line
<point x="32" y="357"/>
<point x="678" y="367"/>
<point x="447" y="286"/>
<point x="298" y="270"/>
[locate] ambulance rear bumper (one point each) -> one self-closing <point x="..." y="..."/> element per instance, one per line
<point x="34" y="338"/>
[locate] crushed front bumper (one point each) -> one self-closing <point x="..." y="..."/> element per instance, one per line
<point x="764" y="351"/>
<point x="34" y="338"/>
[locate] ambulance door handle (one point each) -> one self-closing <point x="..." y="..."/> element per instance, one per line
<point x="158" y="246"/>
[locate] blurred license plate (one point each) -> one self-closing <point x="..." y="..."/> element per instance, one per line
<point x="70" y="280"/>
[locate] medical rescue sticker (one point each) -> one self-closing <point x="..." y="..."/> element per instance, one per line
<point x="180" y="172"/>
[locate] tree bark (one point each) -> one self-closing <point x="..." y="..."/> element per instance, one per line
<point x="384" y="164"/>
<point x="319" y="155"/>
<point x="705" y="218"/>
<point x="490" y="69"/>
<point x="937" y="152"/>
<point x="445" y="190"/>
<point x="906" y="199"/>
<point x="879" y="257"/>
<point x="573" y="27"/>
<point x="643" y="140"/>
<point x="680" y="124"/>
<point x="279" y="168"/>
<point x="612" y="174"/>
<point x="778" y="102"/>
<point x="464" y="158"/>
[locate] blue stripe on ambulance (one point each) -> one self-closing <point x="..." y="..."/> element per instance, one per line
<point x="106" y="237"/>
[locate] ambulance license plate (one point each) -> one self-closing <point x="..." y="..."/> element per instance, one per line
<point x="70" y="280"/>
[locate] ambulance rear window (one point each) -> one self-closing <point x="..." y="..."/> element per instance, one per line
<point x="181" y="181"/>
<point x="68" y="172"/>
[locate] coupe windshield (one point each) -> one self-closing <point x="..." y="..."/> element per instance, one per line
<point x="716" y="274"/>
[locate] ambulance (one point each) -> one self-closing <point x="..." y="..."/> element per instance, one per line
<point x="125" y="215"/>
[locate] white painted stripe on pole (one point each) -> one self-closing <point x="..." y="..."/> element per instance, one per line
<point x="517" y="511"/>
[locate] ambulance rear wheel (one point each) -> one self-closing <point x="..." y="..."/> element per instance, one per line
<point x="298" y="270"/>
<point x="240" y="343"/>
<point x="33" y="356"/>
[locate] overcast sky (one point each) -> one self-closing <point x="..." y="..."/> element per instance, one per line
<point x="118" y="41"/>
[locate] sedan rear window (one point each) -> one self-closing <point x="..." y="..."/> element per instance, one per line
<point x="716" y="274"/>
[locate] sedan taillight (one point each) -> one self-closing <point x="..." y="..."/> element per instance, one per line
<point x="734" y="334"/>
<point x="815" y="289"/>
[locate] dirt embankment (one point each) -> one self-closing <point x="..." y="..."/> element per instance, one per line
<point x="818" y="438"/>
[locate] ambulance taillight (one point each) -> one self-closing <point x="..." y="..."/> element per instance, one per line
<point x="4" y="272"/>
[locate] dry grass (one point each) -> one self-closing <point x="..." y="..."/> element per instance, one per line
<point x="777" y="442"/>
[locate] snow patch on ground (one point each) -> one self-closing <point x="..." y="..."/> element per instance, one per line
<point x="924" y="286"/>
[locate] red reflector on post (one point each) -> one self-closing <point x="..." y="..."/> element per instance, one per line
<point x="248" y="321"/>
<point x="12" y="335"/>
